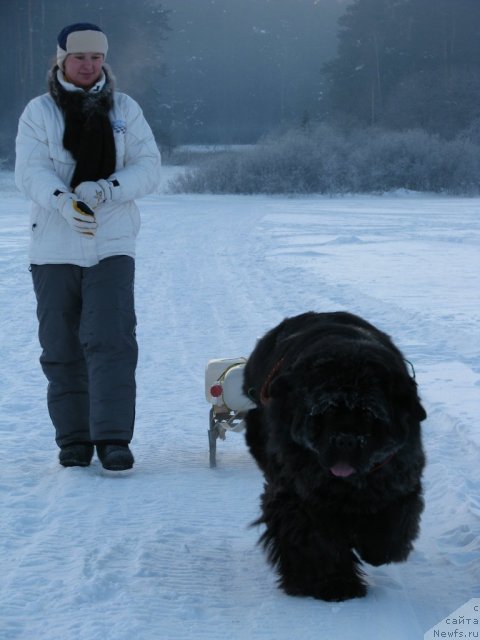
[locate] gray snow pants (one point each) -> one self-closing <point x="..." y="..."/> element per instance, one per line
<point x="89" y="350"/>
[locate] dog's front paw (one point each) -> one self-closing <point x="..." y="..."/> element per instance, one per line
<point x="340" y="588"/>
<point x="334" y="589"/>
<point x="378" y="556"/>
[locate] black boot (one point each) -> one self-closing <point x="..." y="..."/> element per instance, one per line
<point x="115" y="456"/>
<point x="77" y="454"/>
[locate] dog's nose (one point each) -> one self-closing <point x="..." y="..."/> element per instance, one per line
<point x="347" y="442"/>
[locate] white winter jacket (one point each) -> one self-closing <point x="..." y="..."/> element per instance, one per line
<point x="43" y="166"/>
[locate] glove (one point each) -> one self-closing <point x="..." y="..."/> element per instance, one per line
<point x="95" y="193"/>
<point x="78" y="214"/>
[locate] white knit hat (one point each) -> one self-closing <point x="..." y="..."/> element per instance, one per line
<point x="81" y="37"/>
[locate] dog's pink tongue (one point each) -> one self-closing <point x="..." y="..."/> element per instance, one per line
<point x="342" y="470"/>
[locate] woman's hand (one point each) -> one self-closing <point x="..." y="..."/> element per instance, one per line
<point x="95" y="193"/>
<point x="77" y="213"/>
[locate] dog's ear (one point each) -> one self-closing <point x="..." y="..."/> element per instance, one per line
<point x="418" y="410"/>
<point x="406" y="393"/>
<point x="280" y="386"/>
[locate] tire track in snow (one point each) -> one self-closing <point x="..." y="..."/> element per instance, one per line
<point x="240" y="291"/>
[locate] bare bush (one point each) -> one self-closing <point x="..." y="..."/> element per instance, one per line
<point x="325" y="160"/>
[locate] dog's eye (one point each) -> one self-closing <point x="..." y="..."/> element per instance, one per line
<point x="321" y="410"/>
<point x="328" y="414"/>
<point x="362" y="441"/>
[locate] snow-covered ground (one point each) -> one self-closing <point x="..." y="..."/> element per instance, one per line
<point x="166" y="553"/>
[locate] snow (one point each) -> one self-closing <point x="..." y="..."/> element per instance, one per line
<point x="166" y="552"/>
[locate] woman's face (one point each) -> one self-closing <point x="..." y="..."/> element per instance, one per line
<point x="83" y="69"/>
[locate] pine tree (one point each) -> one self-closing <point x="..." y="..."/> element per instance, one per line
<point x="407" y="63"/>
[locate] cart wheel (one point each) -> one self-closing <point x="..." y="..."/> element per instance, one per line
<point x="212" y="441"/>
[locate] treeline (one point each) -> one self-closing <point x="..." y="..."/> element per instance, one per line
<point x="28" y="39"/>
<point x="231" y="71"/>
<point x="204" y="71"/>
<point x="327" y="160"/>
<point x="406" y="64"/>
<point x="399" y="110"/>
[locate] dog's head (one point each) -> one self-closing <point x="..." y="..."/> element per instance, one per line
<point x="352" y="408"/>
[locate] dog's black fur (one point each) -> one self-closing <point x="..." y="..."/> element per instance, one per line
<point x="336" y="432"/>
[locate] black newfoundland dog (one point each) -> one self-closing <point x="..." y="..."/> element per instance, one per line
<point x="336" y="432"/>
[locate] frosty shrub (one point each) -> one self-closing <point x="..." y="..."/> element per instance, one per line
<point x="325" y="160"/>
<point x="290" y="163"/>
<point x="413" y="160"/>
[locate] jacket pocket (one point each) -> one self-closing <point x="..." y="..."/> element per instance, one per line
<point x="34" y="230"/>
<point x="119" y="222"/>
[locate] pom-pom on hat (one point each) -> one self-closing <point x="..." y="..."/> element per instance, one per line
<point x="81" y="37"/>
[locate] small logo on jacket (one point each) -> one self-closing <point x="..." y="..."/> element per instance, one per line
<point x="119" y="126"/>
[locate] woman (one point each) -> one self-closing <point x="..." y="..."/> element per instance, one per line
<point x="84" y="152"/>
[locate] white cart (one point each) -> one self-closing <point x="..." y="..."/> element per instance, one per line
<point x="223" y="390"/>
